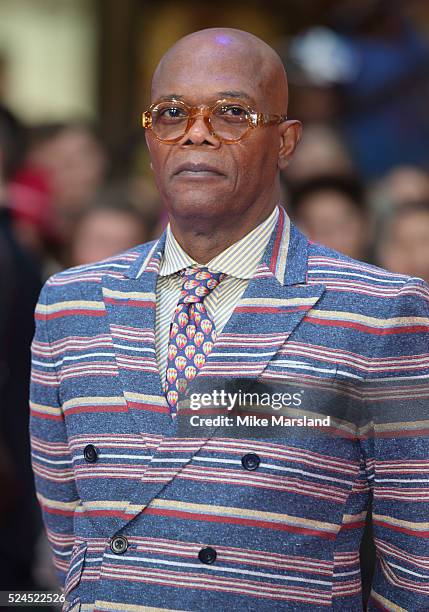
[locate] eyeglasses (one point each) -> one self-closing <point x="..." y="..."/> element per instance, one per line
<point x="227" y="120"/>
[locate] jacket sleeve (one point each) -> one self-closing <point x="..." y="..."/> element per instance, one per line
<point x="50" y="454"/>
<point x="397" y="454"/>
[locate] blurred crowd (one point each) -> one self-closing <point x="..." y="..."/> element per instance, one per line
<point x="359" y="183"/>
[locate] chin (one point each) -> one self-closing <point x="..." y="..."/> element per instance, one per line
<point x="198" y="206"/>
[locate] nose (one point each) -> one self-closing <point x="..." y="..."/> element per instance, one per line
<point x="199" y="132"/>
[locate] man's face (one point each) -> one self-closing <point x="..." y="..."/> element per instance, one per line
<point x="406" y="248"/>
<point x="331" y="218"/>
<point x="200" y="177"/>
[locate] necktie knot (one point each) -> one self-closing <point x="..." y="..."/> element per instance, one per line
<point x="197" y="283"/>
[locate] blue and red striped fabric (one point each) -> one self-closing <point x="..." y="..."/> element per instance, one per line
<point x="287" y="533"/>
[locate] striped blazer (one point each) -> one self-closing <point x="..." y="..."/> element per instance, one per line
<point x="140" y="517"/>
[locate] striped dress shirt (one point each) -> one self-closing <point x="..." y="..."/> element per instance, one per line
<point x="239" y="262"/>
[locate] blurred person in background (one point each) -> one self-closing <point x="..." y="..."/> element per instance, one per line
<point x="20" y="284"/>
<point x="401" y="185"/>
<point x="321" y="151"/>
<point x="366" y="72"/>
<point x="404" y="240"/>
<point x="30" y="202"/>
<point x="332" y="210"/>
<point x="74" y="161"/>
<point x="319" y="62"/>
<point x="386" y="115"/>
<point x="111" y="225"/>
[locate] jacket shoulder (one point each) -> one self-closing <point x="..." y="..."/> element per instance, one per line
<point x="337" y="270"/>
<point x="65" y="283"/>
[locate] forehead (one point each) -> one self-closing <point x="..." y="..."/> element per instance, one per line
<point x="208" y="73"/>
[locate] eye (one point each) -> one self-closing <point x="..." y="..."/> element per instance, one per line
<point x="233" y="112"/>
<point x="170" y="113"/>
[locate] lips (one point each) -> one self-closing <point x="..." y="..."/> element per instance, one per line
<point x="194" y="169"/>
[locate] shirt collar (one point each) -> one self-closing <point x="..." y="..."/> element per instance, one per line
<point x="239" y="260"/>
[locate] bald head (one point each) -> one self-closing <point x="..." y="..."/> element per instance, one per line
<point x="226" y="55"/>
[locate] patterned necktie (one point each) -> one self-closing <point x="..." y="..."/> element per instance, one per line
<point x="192" y="332"/>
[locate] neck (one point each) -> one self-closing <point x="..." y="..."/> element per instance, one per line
<point x="205" y="238"/>
<point x="203" y="243"/>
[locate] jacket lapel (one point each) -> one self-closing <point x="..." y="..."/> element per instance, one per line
<point x="274" y="303"/>
<point x="130" y="304"/>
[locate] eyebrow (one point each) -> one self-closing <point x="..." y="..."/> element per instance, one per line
<point x="172" y="96"/>
<point x="219" y="95"/>
<point x="236" y="94"/>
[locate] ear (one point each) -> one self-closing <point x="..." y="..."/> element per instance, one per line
<point x="290" y="135"/>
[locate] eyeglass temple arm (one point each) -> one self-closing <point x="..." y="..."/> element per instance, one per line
<point x="265" y="118"/>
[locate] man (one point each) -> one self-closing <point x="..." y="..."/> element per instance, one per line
<point x="404" y="242"/>
<point x="332" y="210"/>
<point x="142" y="517"/>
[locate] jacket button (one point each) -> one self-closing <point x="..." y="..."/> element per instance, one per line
<point x="90" y="453"/>
<point x="250" y="461"/>
<point x="119" y="545"/>
<point x="207" y="555"/>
